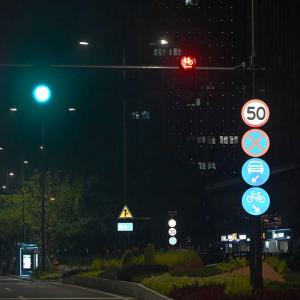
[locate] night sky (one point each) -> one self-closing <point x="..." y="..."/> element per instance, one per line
<point x="42" y="33"/>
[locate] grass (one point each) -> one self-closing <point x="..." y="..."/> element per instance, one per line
<point x="49" y="275"/>
<point x="90" y="274"/>
<point x="175" y="258"/>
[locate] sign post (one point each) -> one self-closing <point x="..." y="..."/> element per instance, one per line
<point x="125" y="223"/>
<point x="255" y="172"/>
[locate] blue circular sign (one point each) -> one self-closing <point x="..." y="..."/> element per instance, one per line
<point x="172" y="241"/>
<point x="255" y="171"/>
<point x="256" y="201"/>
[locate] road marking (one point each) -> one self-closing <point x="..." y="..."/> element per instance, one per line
<point x="23" y="298"/>
<point x="8" y="289"/>
<point x="97" y="291"/>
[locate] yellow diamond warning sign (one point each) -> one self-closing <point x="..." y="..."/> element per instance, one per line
<point x="125" y="213"/>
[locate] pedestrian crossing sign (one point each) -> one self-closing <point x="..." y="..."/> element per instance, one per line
<point x="125" y="213"/>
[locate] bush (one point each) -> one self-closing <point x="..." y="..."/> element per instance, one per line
<point x="279" y="265"/>
<point x="166" y="283"/>
<point x="191" y="268"/>
<point x="149" y="254"/>
<point x="218" y="293"/>
<point x="100" y="264"/>
<point x="197" y="293"/>
<point x="138" y="260"/>
<point x="128" y="257"/>
<point x="210" y="270"/>
<point x="233" y="264"/>
<point x="46" y="275"/>
<point x="97" y="264"/>
<point x="132" y="272"/>
<point x="175" y="258"/>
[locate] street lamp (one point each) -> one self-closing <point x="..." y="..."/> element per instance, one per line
<point x="83" y="43"/>
<point x="164" y="42"/>
<point x="41" y="93"/>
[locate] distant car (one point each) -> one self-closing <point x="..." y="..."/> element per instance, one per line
<point x="255" y="166"/>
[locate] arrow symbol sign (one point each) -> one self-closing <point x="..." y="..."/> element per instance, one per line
<point x="254" y="179"/>
<point x="256" y="209"/>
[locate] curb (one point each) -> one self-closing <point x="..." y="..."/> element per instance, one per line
<point x="129" y="289"/>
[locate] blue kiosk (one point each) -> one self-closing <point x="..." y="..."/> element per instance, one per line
<point x="27" y="259"/>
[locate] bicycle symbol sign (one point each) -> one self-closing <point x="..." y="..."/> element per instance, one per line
<point x="255" y="142"/>
<point x="255" y="113"/>
<point x="255" y="201"/>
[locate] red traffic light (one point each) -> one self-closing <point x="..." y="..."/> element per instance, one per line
<point x="188" y="62"/>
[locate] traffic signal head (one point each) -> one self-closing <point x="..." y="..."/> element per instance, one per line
<point x="41" y="93"/>
<point x="187" y="62"/>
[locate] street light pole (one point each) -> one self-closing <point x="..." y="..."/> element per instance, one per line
<point x="42" y="187"/>
<point x="42" y="95"/>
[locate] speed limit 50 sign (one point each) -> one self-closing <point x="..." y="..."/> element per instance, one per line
<point x="255" y="113"/>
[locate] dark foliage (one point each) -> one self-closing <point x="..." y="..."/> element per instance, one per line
<point x="217" y="293"/>
<point x="192" y="268"/>
<point x="128" y="273"/>
<point x="111" y="273"/>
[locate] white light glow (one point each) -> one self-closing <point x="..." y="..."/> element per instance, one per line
<point x="84" y="43"/>
<point x="172" y="223"/>
<point x="13" y="109"/>
<point x="164" y="42"/>
<point x="72" y="109"/>
<point x="242" y="237"/>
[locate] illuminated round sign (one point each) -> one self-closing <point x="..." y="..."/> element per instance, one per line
<point x="172" y="241"/>
<point x="255" y="171"/>
<point x="188" y="62"/>
<point x="255" y="113"/>
<point x="256" y="201"/>
<point x="172" y="231"/>
<point x="255" y="143"/>
<point x="172" y="223"/>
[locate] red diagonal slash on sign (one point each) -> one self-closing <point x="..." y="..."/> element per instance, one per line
<point x="255" y="142"/>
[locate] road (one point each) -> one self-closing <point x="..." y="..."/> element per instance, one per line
<point x="14" y="288"/>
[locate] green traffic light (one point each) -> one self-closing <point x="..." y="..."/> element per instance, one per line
<point x="42" y="93"/>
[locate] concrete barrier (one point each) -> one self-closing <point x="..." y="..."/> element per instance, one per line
<point x="135" y="290"/>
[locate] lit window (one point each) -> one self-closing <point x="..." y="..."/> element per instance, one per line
<point x="202" y="165"/>
<point x="145" y="115"/>
<point x="159" y="52"/>
<point x="135" y="115"/>
<point x="175" y="52"/>
<point x="211" y="165"/>
<point x="224" y="139"/>
<point x="201" y="139"/>
<point x="211" y="140"/>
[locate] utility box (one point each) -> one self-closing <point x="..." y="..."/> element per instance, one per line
<point x="28" y="259"/>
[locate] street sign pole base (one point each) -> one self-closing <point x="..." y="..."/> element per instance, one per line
<point x="256" y="277"/>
